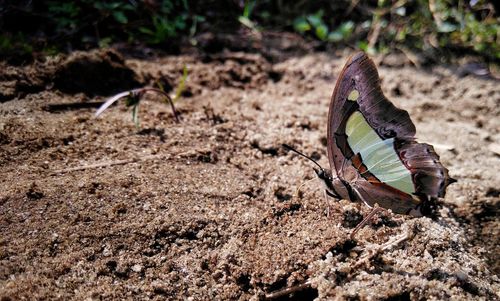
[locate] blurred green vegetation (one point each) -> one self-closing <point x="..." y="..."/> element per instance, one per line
<point x="431" y="26"/>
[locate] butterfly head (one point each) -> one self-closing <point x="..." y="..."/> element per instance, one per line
<point x="333" y="185"/>
<point x="323" y="174"/>
<point x="331" y="182"/>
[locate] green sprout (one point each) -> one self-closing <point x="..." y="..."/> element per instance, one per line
<point x="133" y="98"/>
<point x="181" y="86"/>
<point x="315" y="24"/>
<point x="247" y="12"/>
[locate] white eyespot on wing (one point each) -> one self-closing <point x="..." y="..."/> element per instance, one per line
<point x="353" y="96"/>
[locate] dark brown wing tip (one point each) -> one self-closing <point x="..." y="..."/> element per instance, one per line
<point x="358" y="56"/>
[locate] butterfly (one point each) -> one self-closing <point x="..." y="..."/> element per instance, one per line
<point x="373" y="153"/>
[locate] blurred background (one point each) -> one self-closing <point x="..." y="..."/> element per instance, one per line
<point x="434" y="28"/>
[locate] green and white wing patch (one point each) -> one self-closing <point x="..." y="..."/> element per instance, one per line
<point x="378" y="155"/>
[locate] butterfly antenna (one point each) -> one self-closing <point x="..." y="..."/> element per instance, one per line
<point x="299" y="153"/>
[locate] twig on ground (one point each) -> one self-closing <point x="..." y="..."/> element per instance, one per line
<point x="381" y="248"/>
<point x="103" y="164"/>
<point x="288" y="290"/>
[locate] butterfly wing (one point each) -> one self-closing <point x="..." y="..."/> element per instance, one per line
<point x="369" y="136"/>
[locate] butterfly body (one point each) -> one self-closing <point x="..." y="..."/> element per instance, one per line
<point x="374" y="156"/>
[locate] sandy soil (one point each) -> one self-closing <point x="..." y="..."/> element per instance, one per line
<point x="208" y="208"/>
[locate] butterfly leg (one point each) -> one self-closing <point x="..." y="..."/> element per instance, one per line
<point x="325" y="193"/>
<point x="370" y="215"/>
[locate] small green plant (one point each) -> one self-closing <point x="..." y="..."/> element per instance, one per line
<point x="117" y="9"/>
<point x="64" y="14"/>
<point x="170" y="19"/>
<point x="133" y="98"/>
<point x="247" y="12"/>
<point x="182" y="84"/>
<point x="192" y="30"/>
<point x="314" y="23"/>
<point x="163" y="29"/>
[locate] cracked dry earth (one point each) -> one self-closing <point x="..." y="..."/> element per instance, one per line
<point x="210" y="208"/>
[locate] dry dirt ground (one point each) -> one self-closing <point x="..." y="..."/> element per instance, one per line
<point x="210" y="208"/>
